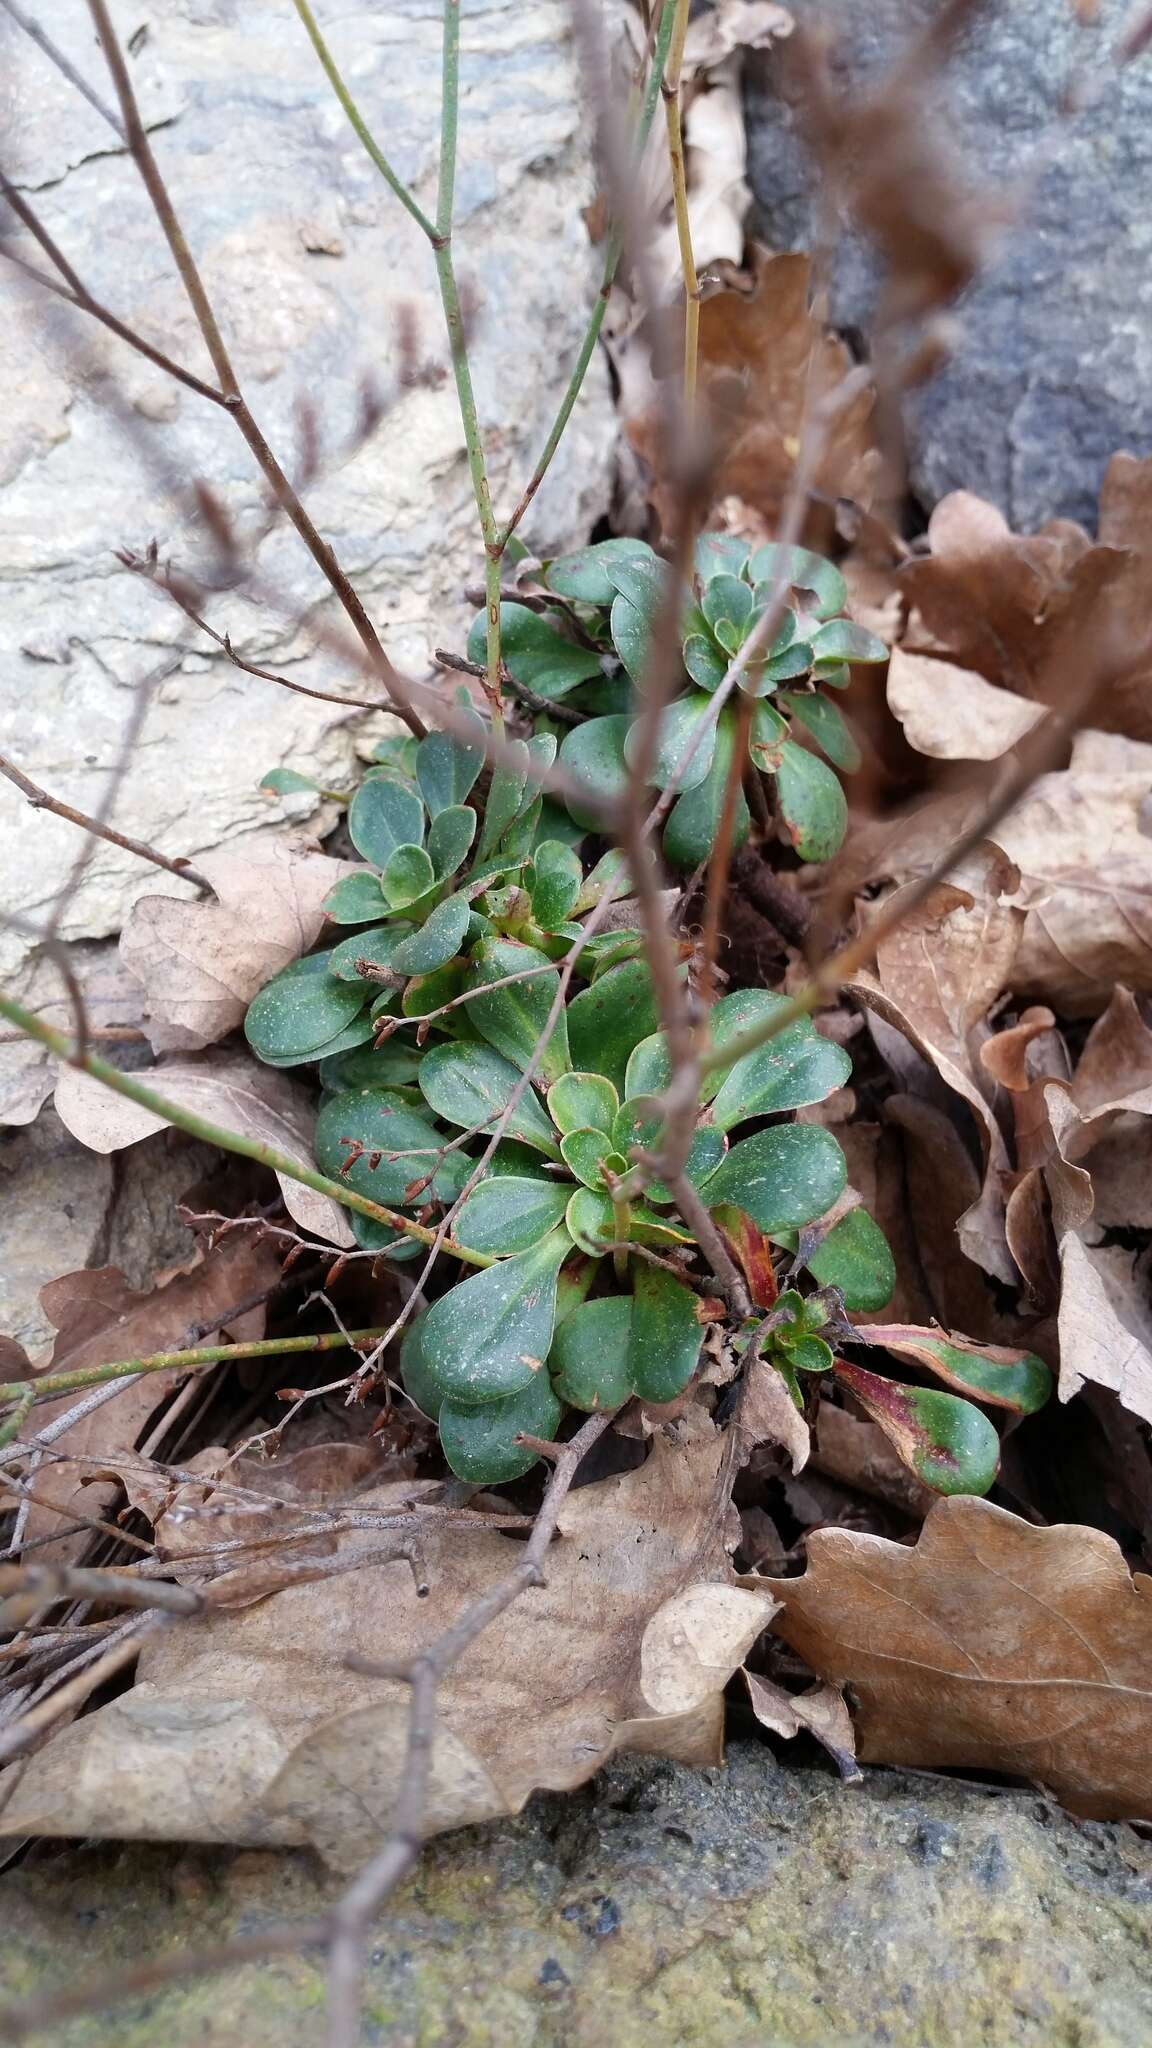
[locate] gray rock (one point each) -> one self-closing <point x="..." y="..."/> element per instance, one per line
<point x="1053" y="371"/>
<point x="313" y="266"/>
<point x="760" y="1904"/>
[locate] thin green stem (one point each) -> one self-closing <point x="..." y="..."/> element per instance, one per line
<point x="612" y="256"/>
<point x="358" y="124"/>
<point x="204" y="1355"/>
<point x="674" y="125"/>
<point x="23" y="1393"/>
<point x="215" y="1134"/>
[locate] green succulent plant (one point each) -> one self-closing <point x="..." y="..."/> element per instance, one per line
<point x="609" y="595"/>
<point x="425" y="1019"/>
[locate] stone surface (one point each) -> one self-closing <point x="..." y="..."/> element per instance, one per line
<point x="316" y="272"/>
<point x="762" y="1906"/>
<point x="1053" y="371"/>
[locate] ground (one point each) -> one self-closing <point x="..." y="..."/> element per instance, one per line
<point x="761" y="1904"/>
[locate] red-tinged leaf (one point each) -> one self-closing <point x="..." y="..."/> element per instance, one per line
<point x="1017" y="1380"/>
<point x="947" y="1442"/>
<point x="752" y="1252"/>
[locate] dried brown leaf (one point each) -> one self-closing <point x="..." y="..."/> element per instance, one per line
<point x="992" y="1645"/>
<point x="250" y="1728"/>
<point x="201" y="963"/>
<point x="769" y="1415"/>
<point x="1004" y="604"/>
<point x="952" y="713"/>
<point x="1105" y="1323"/>
<point x="1080" y="839"/>
<point x="100" y="1319"/>
<point x="226" y="1088"/>
<point x="821" y="1712"/>
<point x="936" y="977"/>
<point x="762" y="357"/>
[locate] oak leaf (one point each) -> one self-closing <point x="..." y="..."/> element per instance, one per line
<point x="201" y="963"/>
<point x="248" y="1726"/>
<point x="225" y="1088"/>
<point x="992" y="1645"/>
<point x="99" y="1319"/>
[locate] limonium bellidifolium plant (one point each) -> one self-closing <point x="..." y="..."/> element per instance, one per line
<point x="591" y="653"/>
<point x="433" y="998"/>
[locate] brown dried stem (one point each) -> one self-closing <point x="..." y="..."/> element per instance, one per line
<point x="423" y="1675"/>
<point x="41" y="801"/>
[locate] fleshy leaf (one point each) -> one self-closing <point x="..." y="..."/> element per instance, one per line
<point x="631" y="636"/>
<point x="490" y="1335"/>
<point x="300" y="1010"/>
<point x="717" y="553"/>
<point x="583" y="575"/>
<point x="505" y="795"/>
<point x="536" y="652"/>
<point x="610" y="872"/>
<point x="447" y="767"/>
<point x="507" y="1213"/>
<point x="392" y="1065"/>
<point x="638" y="1122"/>
<point x="480" y="1443"/>
<point x="383" y="815"/>
<point x="470" y="1085"/>
<point x="677" y="724"/>
<point x="555" y="886"/>
<point x="450" y="836"/>
<point x="1017" y="1380"/>
<point x="420" y="1381"/>
<point x="374" y="947"/>
<point x="769" y="731"/>
<point x="804" y="1352"/>
<point x="589" y="1357"/>
<point x="795" y="1068"/>
<point x="811" y="802"/>
<point x="607" y="1020"/>
<point x="841" y="640"/>
<point x="752" y="1251"/>
<point x="665" y="1335"/>
<point x="512" y="1019"/>
<point x="945" y="1441"/>
<point x="855" y="1257"/>
<point x="705" y="662"/>
<point x="408" y="875"/>
<point x="287" y="782"/>
<point x="381" y="1123"/>
<point x="356" y="899"/>
<point x="397" y="752"/>
<point x="805" y="571"/>
<point x="727" y="597"/>
<point x="828" y="726"/>
<point x="438" y="939"/>
<point x="582" y="1152"/>
<point x="642" y="579"/>
<point x="691" y="830"/>
<point x="649" y="1069"/>
<point x="579" y="1102"/>
<point x="782" y="1177"/>
<point x="591" y="1223"/>
<point x="427" y="992"/>
<point x="594" y="754"/>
